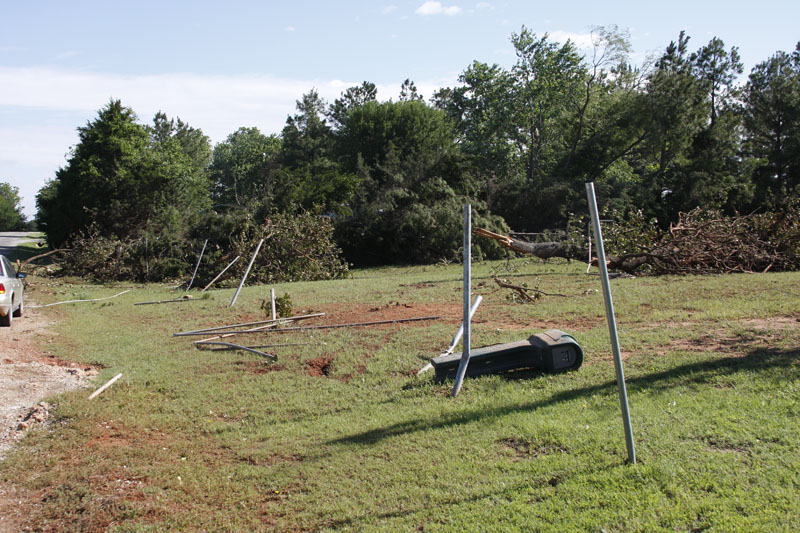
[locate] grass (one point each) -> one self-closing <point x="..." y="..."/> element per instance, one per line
<point x="340" y="434"/>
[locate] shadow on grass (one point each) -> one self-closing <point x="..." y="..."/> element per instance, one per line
<point x="701" y="372"/>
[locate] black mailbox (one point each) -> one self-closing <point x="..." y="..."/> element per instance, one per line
<point x="551" y="351"/>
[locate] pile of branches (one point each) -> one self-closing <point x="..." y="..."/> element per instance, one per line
<point x="701" y="242"/>
<point x="709" y="245"/>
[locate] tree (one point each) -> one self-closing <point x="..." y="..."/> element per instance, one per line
<point x="11" y="217"/>
<point x="675" y="110"/>
<point x="350" y="99"/>
<point x="408" y="91"/>
<point x="243" y="167"/>
<point x="408" y="206"/>
<point x="516" y="127"/>
<point x="123" y="178"/>
<point x="98" y="185"/>
<point x="771" y="101"/>
<point x="311" y="176"/>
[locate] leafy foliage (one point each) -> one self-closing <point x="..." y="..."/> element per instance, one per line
<point x="659" y="140"/>
<point x="123" y="178"/>
<point x="11" y="217"/>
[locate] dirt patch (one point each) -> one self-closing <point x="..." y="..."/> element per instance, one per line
<point x="319" y="366"/>
<point x="523" y="449"/>
<point x="27" y="376"/>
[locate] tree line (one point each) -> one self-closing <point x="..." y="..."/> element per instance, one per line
<point x="389" y="177"/>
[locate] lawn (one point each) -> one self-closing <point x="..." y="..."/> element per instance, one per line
<point x="340" y="434"/>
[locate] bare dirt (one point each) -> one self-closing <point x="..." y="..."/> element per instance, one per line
<point x="28" y="375"/>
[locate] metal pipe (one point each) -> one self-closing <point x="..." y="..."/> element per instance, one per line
<point x="221" y="273"/>
<point x="457" y="336"/>
<point x="198" y="264"/>
<point x="246" y="273"/>
<point x="612" y="322"/>
<point x="462" y="366"/>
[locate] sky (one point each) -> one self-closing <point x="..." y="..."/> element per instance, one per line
<point x="220" y="66"/>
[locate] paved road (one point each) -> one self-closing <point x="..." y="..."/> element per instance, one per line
<point x="10" y="239"/>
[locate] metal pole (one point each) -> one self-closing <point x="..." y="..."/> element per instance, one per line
<point x="249" y="266"/>
<point x="457" y="336"/>
<point x="612" y="322"/>
<point x="462" y="366"/>
<point x="221" y="273"/>
<point x="198" y="264"/>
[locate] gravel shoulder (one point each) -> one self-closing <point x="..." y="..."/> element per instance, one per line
<point x="29" y="375"/>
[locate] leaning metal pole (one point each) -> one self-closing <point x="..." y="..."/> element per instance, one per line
<point x="462" y="366"/>
<point x="612" y="323"/>
<point x="194" y="274"/>
<point x="246" y="272"/>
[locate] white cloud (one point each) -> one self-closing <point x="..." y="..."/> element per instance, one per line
<point x="581" y="40"/>
<point x="484" y="6"/>
<point x="436" y="8"/>
<point x="388" y="10"/>
<point x="289" y="29"/>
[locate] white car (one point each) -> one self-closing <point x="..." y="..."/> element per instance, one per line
<point x="11" y="288"/>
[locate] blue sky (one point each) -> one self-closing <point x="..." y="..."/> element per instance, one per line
<point x="220" y="66"/>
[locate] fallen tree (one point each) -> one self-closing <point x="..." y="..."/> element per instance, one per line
<point x="701" y="242"/>
<point x="565" y="250"/>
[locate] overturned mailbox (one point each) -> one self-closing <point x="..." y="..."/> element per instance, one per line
<point x="552" y="351"/>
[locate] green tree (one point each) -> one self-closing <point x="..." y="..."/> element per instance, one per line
<point x="408" y="91"/>
<point x="713" y="176"/>
<point x="350" y="99"/>
<point x="121" y="179"/>
<point x="675" y="111"/>
<point x="525" y="128"/>
<point x="243" y="167"/>
<point x="11" y="217"/>
<point x="311" y="176"/>
<point x="771" y="109"/>
<point x="413" y="184"/>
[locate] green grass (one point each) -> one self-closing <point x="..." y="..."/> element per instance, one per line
<point x="217" y="440"/>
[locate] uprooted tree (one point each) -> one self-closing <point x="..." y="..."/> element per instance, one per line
<point x="701" y="242"/>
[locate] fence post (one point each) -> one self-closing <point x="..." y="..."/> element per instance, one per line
<point x="612" y="322"/>
<point x="462" y="366"/>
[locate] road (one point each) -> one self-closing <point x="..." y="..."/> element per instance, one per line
<point x="11" y="239"/>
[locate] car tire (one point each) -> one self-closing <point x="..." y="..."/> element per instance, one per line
<point x="5" y="321"/>
<point x="20" y="309"/>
